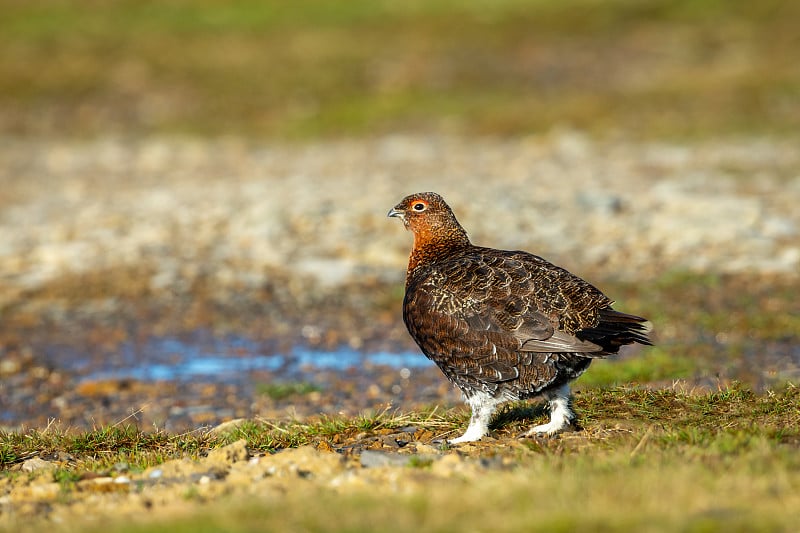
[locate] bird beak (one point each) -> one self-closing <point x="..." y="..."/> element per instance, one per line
<point x="396" y="213"/>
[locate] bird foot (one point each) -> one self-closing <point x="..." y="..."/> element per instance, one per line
<point x="466" y="437"/>
<point x="551" y="428"/>
<point x="474" y="433"/>
<point x="561" y="415"/>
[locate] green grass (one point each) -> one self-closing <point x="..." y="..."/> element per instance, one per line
<point x="704" y="326"/>
<point x="654" y="365"/>
<point x="736" y="410"/>
<point x="611" y="493"/>
<point x="281" y="391"/>
<point x="104" y="447"/>
<point x="608" y="493"/>
<point x="647" y="460"/>
<point x="321" y="68"/>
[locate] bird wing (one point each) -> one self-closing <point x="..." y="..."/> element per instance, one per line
<point x="523" y="327"/>
<point x="482" y="313"/>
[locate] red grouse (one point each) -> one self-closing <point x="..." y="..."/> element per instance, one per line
<point x="502" y="325"/>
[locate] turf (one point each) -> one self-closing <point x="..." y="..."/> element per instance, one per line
<point x="320" y="68"/>
<point x="651" y="460"/>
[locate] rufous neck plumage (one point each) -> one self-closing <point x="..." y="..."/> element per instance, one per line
<point x="431" y="244"/>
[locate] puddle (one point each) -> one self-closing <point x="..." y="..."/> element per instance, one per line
<point x="180" y="383"/>
<point x="227" y="359"/>
<point x="231" y="359"/>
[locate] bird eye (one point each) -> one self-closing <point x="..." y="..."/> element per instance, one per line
<point x="419" y="206"/>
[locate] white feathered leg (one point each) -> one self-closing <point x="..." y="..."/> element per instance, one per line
<point x="560" y="413"/>
<point x="483" y="407"/>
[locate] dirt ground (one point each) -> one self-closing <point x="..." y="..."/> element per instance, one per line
<point x="122" y="257"/>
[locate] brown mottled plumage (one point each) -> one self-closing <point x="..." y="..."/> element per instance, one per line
<point x="502" y="325"/>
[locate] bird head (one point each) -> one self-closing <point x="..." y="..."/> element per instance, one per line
<point x="429" y="217"/>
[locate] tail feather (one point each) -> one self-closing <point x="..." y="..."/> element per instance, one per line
<point x="616" y="329"/>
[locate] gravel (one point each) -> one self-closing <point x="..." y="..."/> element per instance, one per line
<point x="205" y="244"/>
<point x="236" y="210"/>
<point x="230" y="474"/>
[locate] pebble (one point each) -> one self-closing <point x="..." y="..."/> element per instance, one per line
<point x="179" y="214"/>
<point x="373" y="458"/>
<point x="9" y="366"/>
<point x="226" y="428"/>
<point x="127" y="240"/>
<point x="104" y="484"/>
<point x="318" y="210"/>
<point x="35" y="464"/>
<point x="234" y="452"/>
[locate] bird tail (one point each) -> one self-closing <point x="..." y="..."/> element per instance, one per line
<point x="617" y="329"/>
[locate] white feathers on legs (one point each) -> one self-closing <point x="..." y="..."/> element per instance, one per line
<point x="483" y="406"/>
<point x="560" y="413"/>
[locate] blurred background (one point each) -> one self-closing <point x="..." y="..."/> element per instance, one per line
<point x="193" y="194"/>
<point x="316" y="68"/>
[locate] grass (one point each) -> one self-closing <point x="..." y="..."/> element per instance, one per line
<point x="646" y="459"/>
<point x="322" y="68"/>
<point x="650" y="460"/>
<point x="654" y="365"/>
<point x="704" y="326"/>
<point x="680" y="417"/>
<point x="102" y="448"/>
<point x="281" y="391"/>
<point x="609" y="494"/>
<point x="736" y="410"/>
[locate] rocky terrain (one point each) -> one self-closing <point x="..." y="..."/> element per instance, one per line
<point x="107" y="244"/>
<point x="237" y="210"/>
<point x="175" y="488"/>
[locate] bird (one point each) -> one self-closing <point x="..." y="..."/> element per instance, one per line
<point x="503" y="325"/>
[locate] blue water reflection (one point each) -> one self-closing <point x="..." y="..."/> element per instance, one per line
<point x="175" y="359"/>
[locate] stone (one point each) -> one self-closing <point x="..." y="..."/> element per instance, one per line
<point x="374" y="458"/>
<point x="305" y="462"/>
<point x="231" y="453"/>
<point x="226" y="428"/>
<point x="35" y="464"/>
